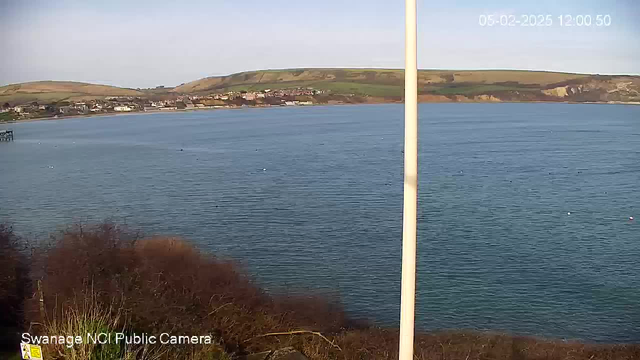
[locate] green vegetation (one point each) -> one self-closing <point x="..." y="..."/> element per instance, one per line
<point x="7" y="116"/>
<point x="10" y="355"/>
<point x="474" y="89"/>
<point x="506" y="85"/>
<point x="107" y="278"/>
<point x="362" y="89"/>
<point x="384" y="84"/>
<point x="355" y="88"/>
<point x="265" y="86"/>
<point x="52" y="91"/>
<point x="375" y="78"/>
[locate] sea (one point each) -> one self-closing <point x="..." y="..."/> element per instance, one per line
<point x="524" y="221"/>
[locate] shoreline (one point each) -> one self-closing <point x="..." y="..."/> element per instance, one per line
<point x="87" y="116"/>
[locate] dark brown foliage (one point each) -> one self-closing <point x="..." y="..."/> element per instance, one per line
<point x="14" y="285"/>
<point x="168" y="285"/>
<point x="165" y="284"/>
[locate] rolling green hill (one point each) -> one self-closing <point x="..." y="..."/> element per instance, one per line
<point x="371" y="85"/>
<point x="434" y="85"/>
<point x="374" y="82"/>
<point x="52" y="91"/>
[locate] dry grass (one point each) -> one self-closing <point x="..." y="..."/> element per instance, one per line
<point x="85" y="317"/>
<point x="66" y="87"/>
<point x="164" y="284"/>
<point x="378" y="343"/>
<point x="169" y="286"/>
<point x="51" y="91"/>
<point x="88" y="316"/>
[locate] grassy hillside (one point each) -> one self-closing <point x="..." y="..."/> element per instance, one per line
<point x="379" y="85"/>
<point x="445" y="85"/>
<point x="51" y="91"/>
<point x="376" y="82"/>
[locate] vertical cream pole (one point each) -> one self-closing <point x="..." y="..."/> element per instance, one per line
<point x="408" y="295"/>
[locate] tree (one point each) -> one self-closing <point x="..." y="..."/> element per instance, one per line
<point x="6" y="106"/>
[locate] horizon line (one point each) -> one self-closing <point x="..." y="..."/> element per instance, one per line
<point x="323" y="68"/>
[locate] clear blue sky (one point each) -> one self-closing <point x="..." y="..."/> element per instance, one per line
<point x="149" y="43"/>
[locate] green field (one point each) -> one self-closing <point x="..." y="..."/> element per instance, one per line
<point x="362" y="89"/>
<point x="389" y="83"/>
<point x="45" y="98"/>
<point x="334" y="87"/>
<point x="4" y="117"/>
<point x="476" y="89"/>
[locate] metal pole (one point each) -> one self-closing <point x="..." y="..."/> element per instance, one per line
<point x="408" y="294"/>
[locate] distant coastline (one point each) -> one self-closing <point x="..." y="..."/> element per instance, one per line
<point x="87" y="116"/>
<point x="46" y="99"/>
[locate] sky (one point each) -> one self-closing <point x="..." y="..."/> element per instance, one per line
<point x="151" y="43"/>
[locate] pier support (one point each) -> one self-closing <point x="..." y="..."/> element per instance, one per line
<point x="6" y="135"/>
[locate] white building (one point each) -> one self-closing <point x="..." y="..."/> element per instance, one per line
<point x="122" y="108"/>
<point x="249" y="96"/>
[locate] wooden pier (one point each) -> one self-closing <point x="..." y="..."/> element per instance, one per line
<point x="6" y="135"/>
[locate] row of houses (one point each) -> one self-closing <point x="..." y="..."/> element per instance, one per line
<point x="267" y="97"/>
<point x="267" y="93"/>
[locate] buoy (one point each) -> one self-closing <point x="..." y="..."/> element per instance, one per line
<point x="264" y="169"/>
<point x="631" y="218"/>
<point x="569" y="213"/>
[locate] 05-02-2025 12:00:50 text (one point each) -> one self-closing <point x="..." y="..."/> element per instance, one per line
<point x="564" y="20"/>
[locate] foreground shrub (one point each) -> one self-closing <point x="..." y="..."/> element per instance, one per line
<point x="14" y="286"/>
<point x="107" y="277"/>
<point x="167" y="285"/>
<point x="85" y="317"/>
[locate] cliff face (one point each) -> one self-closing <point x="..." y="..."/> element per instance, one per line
<point x="614" y="89"/>
<point x="560" y="91"/>
<point x="620" y="89"/>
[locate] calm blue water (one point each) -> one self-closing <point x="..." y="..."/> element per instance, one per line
<point x="312" y="198"/>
